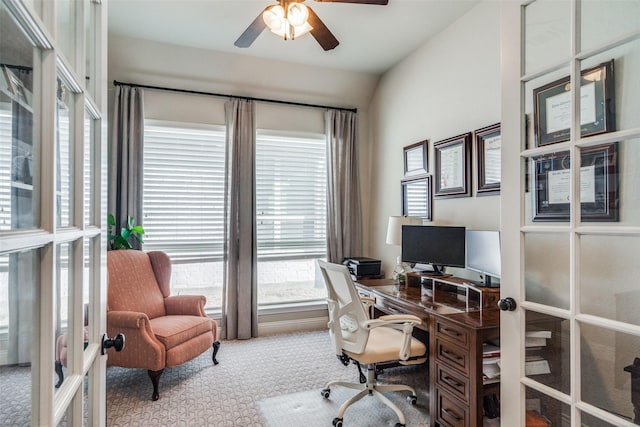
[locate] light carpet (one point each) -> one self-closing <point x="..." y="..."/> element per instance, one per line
<point x="263" y="382"/>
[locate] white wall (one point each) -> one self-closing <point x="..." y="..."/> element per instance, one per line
<point x="156" y="64"/>
<point x="449" y="86"/>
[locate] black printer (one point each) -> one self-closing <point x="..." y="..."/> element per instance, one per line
<point x="362" y="266"/>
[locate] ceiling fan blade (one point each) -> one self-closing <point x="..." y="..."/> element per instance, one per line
<point x="252" y="32"/>
<point x="380" y="2"/>
<point x="321" y="33"/>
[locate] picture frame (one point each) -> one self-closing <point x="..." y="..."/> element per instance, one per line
<point x="416" y="159"/>
<point x="552" y="106"/>
<point x="488" y="144"/>
<point x="416" y="197"/>
<point x="453" y="165"/>
<point x="598" y="185"/>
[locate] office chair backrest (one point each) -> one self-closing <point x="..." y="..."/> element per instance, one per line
<point x="346" y="312"/>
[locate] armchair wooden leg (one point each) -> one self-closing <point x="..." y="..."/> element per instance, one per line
<point x="58" y="369"/>
<point x="155" y="380"/>
<point x="216" y="347"/>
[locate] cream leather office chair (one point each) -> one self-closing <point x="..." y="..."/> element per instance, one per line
<point x="367" y="341"/>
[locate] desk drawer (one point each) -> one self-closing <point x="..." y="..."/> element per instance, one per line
<point x="452" y="355"/>
<point x="456" y="384"/>
<point x="449" y="412"/>
<point x="453" y="332"/>
<point x="388" y="306"/>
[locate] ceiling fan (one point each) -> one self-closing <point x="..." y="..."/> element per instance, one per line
<point x="290" y="19"/>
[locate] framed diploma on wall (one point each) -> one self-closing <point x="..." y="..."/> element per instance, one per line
<point x="415" y="159"/>
<point x="416" y="197"/>
<point x="552" y="106"/>
<point x="488" y="157"/>
<point x="598" y="185"/>
<point x="453" y="165"/>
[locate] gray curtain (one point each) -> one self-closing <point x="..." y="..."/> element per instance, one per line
<point x="240" y="296"/>
<point x="344" y="212"/>
<point x="125" y="156"/>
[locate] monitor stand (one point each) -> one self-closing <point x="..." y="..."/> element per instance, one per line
<point x="486" y="283"/>
<point x="430" y="270"/>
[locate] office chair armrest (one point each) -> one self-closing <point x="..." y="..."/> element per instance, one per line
<point x="400" y="317"/>
<point x="400" y="322"/>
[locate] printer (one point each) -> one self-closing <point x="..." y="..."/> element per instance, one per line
<point x="362" y="266"/>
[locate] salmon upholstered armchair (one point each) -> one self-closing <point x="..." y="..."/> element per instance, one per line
<point x="161" y="330"/>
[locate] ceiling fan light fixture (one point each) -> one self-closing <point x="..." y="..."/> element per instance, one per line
<point x="297" y="14"/>
<point x="274" y="18"/>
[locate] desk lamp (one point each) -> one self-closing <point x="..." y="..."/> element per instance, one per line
<point x="394" y="237"/>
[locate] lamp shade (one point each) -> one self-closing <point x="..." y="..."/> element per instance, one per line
<point x="394" y="229"/>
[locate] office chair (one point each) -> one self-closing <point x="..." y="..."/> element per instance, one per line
<point x="367" y="341"/>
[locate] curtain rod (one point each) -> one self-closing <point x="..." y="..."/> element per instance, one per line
<point x="223" y="95"/>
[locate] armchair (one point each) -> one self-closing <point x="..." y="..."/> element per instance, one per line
<point x="161" y="330"/>
<point x="367" y="341"/>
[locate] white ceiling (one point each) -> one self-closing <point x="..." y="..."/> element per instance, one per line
<point x="372" y="38"/>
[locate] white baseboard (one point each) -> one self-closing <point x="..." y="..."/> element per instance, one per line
<point x="282" y="326"/>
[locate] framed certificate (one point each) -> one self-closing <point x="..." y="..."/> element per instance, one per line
<point x="453" y="163"/>
<point x="488" y="157"/>
<point x="415" y="159"/>
<point x="552" y="106"/>
<point x="598" y="185"/>
<point x="416" y="197"/>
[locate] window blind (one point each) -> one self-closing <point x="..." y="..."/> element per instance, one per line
<point x="183" y="201"/>
<point x="291" y="182"/>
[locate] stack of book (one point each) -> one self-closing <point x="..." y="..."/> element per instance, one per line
<point x="535" y="363"/>
<point x="490" y="363"/>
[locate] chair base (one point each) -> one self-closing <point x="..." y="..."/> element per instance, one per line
<point x="370" y="387"/>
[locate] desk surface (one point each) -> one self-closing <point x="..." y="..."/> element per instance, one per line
<point x="482" y="319"/>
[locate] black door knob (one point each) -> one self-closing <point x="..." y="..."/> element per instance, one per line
<point x="117" y="342"/>
<point x="507" y="304"/>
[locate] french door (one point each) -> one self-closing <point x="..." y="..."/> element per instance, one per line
<point x="571" y="212"/>
<point x="52" y="211"/>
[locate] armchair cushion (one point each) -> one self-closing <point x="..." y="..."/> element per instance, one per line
<point x="175" y="330"/>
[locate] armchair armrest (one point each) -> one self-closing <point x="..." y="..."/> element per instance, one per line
<point x="126" y="319"/>
<point x="142" y="348"/>
<point x="192" y="305"/>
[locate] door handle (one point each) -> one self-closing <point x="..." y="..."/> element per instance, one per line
<point x="117" y="342"/>
<point x="507" y="304"/>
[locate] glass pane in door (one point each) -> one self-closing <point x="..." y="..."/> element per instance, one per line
<point x="608" y="80"/>
<point x="604" y="20"/>
<point x="545" y="411"/>
<point x="589" y="420"/>
<point x="547" y="33"/>
<point x="63" y="303"/>
<point x="89" y="169"/>
<point x="19" y="286"/>
<point x="547" y="350"/>
<point x="609" y="270"/>
<point x="64" y="156"/>
<point x="546" y="263"/>
<point x="66" y="28"/>
<point x="608" y="360"/>
<point x="19" y="149"/>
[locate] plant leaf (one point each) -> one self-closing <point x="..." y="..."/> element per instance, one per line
<point x="137" y="229"/>
<point x="111" y="220"/>
<point x="130" y="222"/>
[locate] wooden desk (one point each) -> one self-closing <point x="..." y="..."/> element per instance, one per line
<point x="456" y="387"/>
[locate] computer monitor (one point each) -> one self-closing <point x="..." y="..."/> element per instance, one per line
<point x="440" y="246"/>
<point x="483" y="255"/>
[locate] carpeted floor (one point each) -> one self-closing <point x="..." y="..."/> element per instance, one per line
<point x="267" y="381"/>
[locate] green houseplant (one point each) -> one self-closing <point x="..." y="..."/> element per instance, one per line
<point x="123" y="240"/>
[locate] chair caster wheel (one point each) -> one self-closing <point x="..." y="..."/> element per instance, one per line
<point x="325" y="392"/>
<point x="413" y="399"/>
<point x="399" y="425"/>
<point x="337" y="422"/>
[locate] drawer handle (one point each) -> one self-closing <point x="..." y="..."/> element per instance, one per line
<point x="451" y="355"/>
<point x="451" y="414"/>
<point x="451" y="332"/>
<point x="452" y="382"/>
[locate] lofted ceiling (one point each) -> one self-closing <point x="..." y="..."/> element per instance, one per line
<point x="372" y="38"/>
